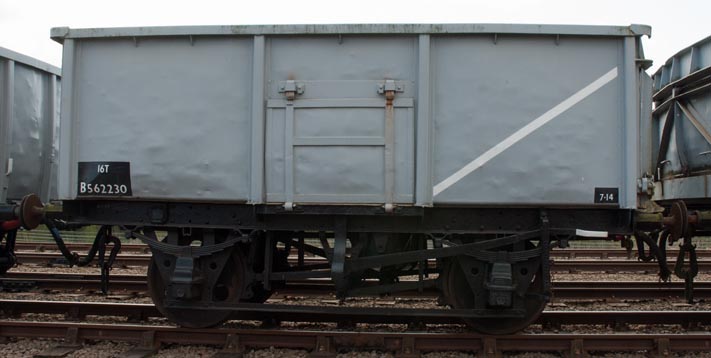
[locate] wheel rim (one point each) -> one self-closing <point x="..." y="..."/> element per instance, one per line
<point x="227" y="289"/>
<point x="459" y="295"/>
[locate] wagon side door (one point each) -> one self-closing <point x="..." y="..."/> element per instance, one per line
<point x="340" y="122"/>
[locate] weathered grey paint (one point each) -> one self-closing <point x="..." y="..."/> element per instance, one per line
<point x="330" y="143"/>
<point x="485" y="91"/>
<point x="258" y="121"/>
<point x="685" y="62"/>
<point x="687" y="188"/>
<point x="28" y="123"/>
<point x="29" y="61"/>
<point x="61" y="33"/>
<point x="6" y="113"/>
<point x="67" y="143"/>
<point x="462" y="90"/>
<point x="630" y="139"/>
<point x="180" y="112"/>
<point x="683" y="174"/>
<point x="425" y="127"/>
<point x="646" y="130"/>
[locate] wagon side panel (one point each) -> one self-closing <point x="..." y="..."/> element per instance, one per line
<point x="530" y="120"/>
<point x="176" y="110"/>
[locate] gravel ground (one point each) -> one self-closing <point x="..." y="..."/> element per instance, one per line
<point x="186" y="351"/>
<point x="274" y="352"/>
<point x="600" y="329"/>
<point x="87" y="270"/>
<point x="676" y="304"/>
<point x="26" y="347"/>
<point x="102" y="350"/>
<point x="622" y="276"/>
<point x="81" y="297"/>
<point x="40" y="317"/>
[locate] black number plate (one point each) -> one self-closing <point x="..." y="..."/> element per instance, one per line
<point x="606" y="195"/>
<point x="104" y="179"/>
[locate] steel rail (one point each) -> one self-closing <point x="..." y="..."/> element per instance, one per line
<point x="73" y="246"/>
<point x="56" y="258"/>
<point x="614" y="253"/>
<point x="555" y="253"/>
<point x="327" y="343"/>
<point x="25" y="281"/>
<point x="614" y="266"/>
<point x="136" y="312"/>
<point x="22" y="281"/>
<point x="568" y="265"/>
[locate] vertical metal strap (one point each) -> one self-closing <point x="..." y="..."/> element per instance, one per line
<point x="389" y="150"/>
<point x="289" y="155"/>
<point x="630" y="164"/>
<point x="50" y="111"/>
<point x="424" y="126"/>
<point x="695" y="63"/>
<point x="664" y="141"/>
<point x="6" y="113"/>
<point x="681" y="150"/>
<point x="258" y="121"/>
<point x="68" y="146"/>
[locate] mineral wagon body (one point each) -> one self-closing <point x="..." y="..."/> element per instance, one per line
<point x="29" y="143"/>
<point x="480" y="115"/>
<point x="29" y="119"/>
<point x="679" y="135"/>
<point x="476" y="145"/>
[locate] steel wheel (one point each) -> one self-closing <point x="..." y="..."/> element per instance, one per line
<point x="459" y="295"/>
<point x="227" y="289"/>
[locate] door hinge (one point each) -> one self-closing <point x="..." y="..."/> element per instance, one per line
<point x="291" y="89"/>
<point x="389" y="87"/>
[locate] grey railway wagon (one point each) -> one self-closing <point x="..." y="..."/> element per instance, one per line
<point x="475" y="147"/>
<point x="394" y="115"/>
<point x="29" y="121"/>
<point x="680" y="132"/>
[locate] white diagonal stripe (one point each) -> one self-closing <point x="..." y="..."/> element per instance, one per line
<point x="525" y="131"/>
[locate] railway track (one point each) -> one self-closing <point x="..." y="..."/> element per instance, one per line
<point x="35" y="246"/>
<point x="148" y="339"/>
<point x="136" y="312"/>
<point x="24" y="281"/>
<point x="560" y="265"/>
<point x="55" y="258"/>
